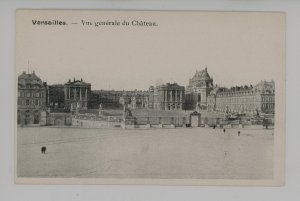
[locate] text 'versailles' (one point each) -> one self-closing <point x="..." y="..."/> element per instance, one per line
<point x="48" y="22"/>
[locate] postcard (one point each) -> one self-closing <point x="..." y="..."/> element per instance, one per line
<point x="150" y="97"/>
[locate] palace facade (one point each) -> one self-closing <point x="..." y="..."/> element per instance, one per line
<point x="31" y="98"/>
<point x="140" y="100"/>
<point x="201" y="94"/>
<point x="243" y="99"/>
<point x="200" y="85"/>
<point x="77" y="93"/>
<point x="168" y="97"/>
<point x="136" y="99"/>
<point x="35" y="96"/>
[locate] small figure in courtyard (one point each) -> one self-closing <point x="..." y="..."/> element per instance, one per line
<point x="224" y="130"/>
<point x="43" y="150"/>
<point x="239" y="133"/>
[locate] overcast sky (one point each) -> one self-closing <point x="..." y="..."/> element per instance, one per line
<point x="237" y="48"/>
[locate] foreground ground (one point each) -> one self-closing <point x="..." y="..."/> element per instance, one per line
<point x="202" y="153"/>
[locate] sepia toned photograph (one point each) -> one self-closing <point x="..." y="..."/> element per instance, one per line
<point x="150" y="97"/>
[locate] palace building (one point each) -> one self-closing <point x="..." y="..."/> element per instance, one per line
<point x="36" y="97"/>
<point x="140" y="100"/>
<point x="200" y="85"/>
<point x="77" y="93"/>
<point x="243" y="99"/>
<point x="136" y="99"/>
<point x="31" y="98"/>
<point x="168" y="97"/>
<point x="201" y="94"/>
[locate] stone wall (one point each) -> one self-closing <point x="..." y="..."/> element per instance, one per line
<point x="59" y="119"/>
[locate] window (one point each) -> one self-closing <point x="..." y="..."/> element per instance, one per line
<point x="28" y="95"/>
<point x="19" y="94"/>
<point x="37" y="102"/>
<point x="37" y="94"/>
<point x="27" y="114"/>
<point x="27" y="102"/>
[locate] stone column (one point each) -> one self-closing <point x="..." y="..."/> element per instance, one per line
<point x="47" y="97"/>
<point x="74" y="91"/>
<point x="181" y="92"/>
<point x="80" y="93"/>
<point x="171" y="100"/>
<point x="166" y="99"/>
<point x="69" y="92"/>
<point x="176" y="100"/>
<point x="65" y="90"/>
<point x="181" y="102"/>
<point x="86" y="91"/>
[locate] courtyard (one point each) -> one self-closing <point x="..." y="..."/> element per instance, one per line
<point x="181" y="153"/>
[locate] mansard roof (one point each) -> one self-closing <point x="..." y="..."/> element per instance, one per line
<point x="265" y="87"/>
<point x="201" y="75"/>
<point x="262" y="87"/>
<point x="29" y="79"/>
